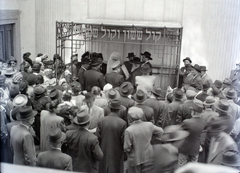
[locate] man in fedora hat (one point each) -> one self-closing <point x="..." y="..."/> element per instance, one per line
<point x="127" y="65"/>
<point x="166" y="155"/>
<point x="235" y="109"/>
<point x="54" y="158"/>
<point x="204" y="93"/>
<point x="93" y="77"/>
<point x="115" y="78"/>
<point x="140" y="96"/>
<point x="136" y="70"/>
<point x="231" y="158"/>
<point x="154" y="103"/>
<point x="146" y="56"/>
<point x="125" y="91"/>
<point x="197" y="81"/>
<point x="137" y="140"/>
<point x="184" y="71"/>
<point x="205" y="78"/>
<point x="220" y="142"/>
<point x="110" y="132"/>
<point x="224" y="109"/>
<point x="94" y="111"/>
<point x="184" y="110"/>
<point x="112" y="97"/>
<point x="22" y="140"/>
<point x="83" y="146"/>
<point x="170" y="118"/>
<point x="85" y="61"/>
<point x="189" y="150"/>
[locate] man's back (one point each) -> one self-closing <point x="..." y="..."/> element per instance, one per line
<point x="93" y="78"/>
<point x="84" y="149"/>
<point x="55" y="159"/>
<point x="23" y="146"/>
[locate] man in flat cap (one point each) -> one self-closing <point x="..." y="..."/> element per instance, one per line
<point x="137" y="140"/>
<point x="115" y="78"/>
<point x="54" y="158"/>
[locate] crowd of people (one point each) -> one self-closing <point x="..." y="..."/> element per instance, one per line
<point x="91" y="116"/>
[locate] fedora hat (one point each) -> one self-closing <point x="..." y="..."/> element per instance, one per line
<point x="231" y="94"/>
<point x="190" y="94"/>
<point x="23" y="85"/>
<point x="32" y="79"/>
<point x="157" y="91"/>
<point x="39" y="91"/>
<point x="9" y="72"/>
<point x="55" y="94"/>
<point x="203" y="68"/>
<point x="227" y="81"/>
<point x="86" y="54"/>
<point x="112" y="94"/>
<point x="115" y="104"/>
<point x="26" y="112"/>
<point x="223" y="106"/>
<point x="217" y="126"/>
<point x="126" y="89"/>
<point x="130" y="55"/>
<point x="218" y="83"/>
<point x="85" y="60"/>
<point x="88" y="96"/>
<point x="140" y="96"/>
<point x="82" y="118"/>
<point x="20" y="100"/>
<point x="178" y="94"/>
<point x="174" y="133"/>
<point x="146" y="68"/>
<point x="96" y="61"/>
<point x="147" y="54"/>
<point x="56" y="136"/>
<point x="197" y="67"/>
<point x="187" y="58"/>
<point x="231" y="158"/>
<point x="209" y="100"/>
<point x="197" y="105"/>
<point x="136" y="60"/>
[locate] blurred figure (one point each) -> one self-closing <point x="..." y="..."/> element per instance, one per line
<point x="115" y="56"/>
<point x="203" y="94"/>
<point x="235" y="109"/>
<point x="99" y="100"/>
<point x="197" y="81"/>
<point x="231" y="158"/>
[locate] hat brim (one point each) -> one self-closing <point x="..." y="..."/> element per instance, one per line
<point x="117" y="108"/>
<point x="208" y="104"/>
<point x="216" y="106"/>
<point x="33" y="114"/>
<point x="12" y="73"/>
<point x="199" y="70"/>
<point x="63" y="137"/>
<point x="82" y="123"/>
<point x="144" y="98"/>
<point x="157" y="94"/>
<point x="23" y="103"/>
<point x="180" y="135"/>
<point x="95" y="64"/>
<point x="237" y="163"/>
<point x="187" y="59"/>
<point x="125" y="94"/>
<point x="117" y="96"/>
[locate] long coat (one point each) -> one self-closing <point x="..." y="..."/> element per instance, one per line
<point x="84" y="149"/>
<point x="93" y="78"/>
<point x="225" y="142"/>
<point x="24" y="152"/>
<point x="115" y="79"/>
<point x="55" y="159"/>
<point x="137" y="142"/>
<point x="49" y="120"/>
<point x="110" y="133"/>
<point x="191" y="144"/>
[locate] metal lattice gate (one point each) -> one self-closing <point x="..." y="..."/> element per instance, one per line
<point x="162" y="40"/>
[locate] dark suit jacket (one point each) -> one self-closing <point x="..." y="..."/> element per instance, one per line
<point x="197" y="82"/>
<point x="84" y="149"/>
<point x="126" y="101"/>
<point x="156" y="106"/>
<point x="110" y="133"/>
<point x="22" y="142"/>
<point x="114" y="79"/>
<point x="55" y="159"/>
<point x="172" y="112"/>
<point x="93" y="78"/>
<point x="202" y="96"/>
<point x="81" y="77"/>
<point x="184" y="111"/>
<point x="128" y="65"/>
<point x="122" y="113"/>
<point x="191" y="144"/>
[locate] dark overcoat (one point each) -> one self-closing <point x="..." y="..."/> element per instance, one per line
<point x="110" y="133"/>
<point x="114" y="79"/>
<point x="93" y="78"/>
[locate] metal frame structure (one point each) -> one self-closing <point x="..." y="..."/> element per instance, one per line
<point x="161" y="38"/>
